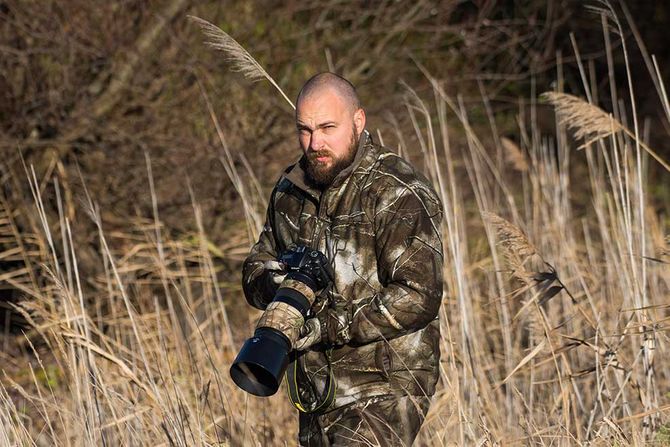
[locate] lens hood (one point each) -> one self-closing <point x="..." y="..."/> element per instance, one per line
<point x="261" y="363"/>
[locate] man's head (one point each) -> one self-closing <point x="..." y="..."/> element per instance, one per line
<point x="329" y="121"/>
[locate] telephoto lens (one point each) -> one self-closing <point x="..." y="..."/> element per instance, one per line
<point x="261" y="363"/>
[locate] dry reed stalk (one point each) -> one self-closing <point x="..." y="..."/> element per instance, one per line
<point x="251" y="213"/>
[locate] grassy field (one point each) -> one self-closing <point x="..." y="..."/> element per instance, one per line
<point x="554" y="319"/>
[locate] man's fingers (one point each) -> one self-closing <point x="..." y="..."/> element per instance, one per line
<point x="277" y="278"/>
<point x="313" y="325"/>
<point x="312" y="335"/>
<point x="273" y="265"/>
<point x="276" y="268"/>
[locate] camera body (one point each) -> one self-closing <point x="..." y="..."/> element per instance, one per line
<point x="307" y="265"/>
<point x="293" y="259"/>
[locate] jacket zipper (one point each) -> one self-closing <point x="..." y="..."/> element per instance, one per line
<point x="318" y="229"/>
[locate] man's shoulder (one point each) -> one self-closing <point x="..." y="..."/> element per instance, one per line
<point x="390" y="163"/>
<point x="283" y="183"/>
<point x="392" y="173"/>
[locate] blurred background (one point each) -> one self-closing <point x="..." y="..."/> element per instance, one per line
<point x="136" y="167"/>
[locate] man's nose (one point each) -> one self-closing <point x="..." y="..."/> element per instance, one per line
<point x="316" y="141"/>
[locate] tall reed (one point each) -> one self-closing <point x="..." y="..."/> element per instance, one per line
<point x="554" y="319"/>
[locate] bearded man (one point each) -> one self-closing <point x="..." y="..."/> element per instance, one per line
<point x="365" y="363"/>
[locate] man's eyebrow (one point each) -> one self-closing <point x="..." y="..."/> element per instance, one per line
<point x="301" y="126"/>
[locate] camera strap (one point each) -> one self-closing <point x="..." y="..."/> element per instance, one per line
<point x="296" y="368"/>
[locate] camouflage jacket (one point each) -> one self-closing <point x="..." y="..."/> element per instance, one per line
<point x="379" y="225"/>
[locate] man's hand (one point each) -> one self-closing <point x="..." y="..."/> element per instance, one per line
<point x="330" y="327"/>
<point x="310" y="334"/>
<point x="335" y="325"/>
<point x="276" y="270"/>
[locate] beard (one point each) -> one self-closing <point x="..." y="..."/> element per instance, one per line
<point x="318" y="173"/>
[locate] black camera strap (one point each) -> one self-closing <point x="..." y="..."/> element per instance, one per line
<point x="296" y="368"/>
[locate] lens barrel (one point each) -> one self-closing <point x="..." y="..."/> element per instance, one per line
<point x="261" y="363"/>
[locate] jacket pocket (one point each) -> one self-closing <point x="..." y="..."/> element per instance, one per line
<point x="384" y="359"/>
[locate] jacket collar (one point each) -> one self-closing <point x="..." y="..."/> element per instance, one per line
<point x="296" y="175"/>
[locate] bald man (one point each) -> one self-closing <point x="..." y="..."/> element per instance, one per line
<point x="365" y="363"/>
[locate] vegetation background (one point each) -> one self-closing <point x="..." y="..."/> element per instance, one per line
<point x="136" y="167"/>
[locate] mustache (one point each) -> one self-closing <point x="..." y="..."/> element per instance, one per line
<point x="311" y="156"/>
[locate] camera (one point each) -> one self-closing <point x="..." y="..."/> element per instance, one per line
<point x="261" y="363"/>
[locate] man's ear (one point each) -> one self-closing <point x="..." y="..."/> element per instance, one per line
<point x="359" y="121"/>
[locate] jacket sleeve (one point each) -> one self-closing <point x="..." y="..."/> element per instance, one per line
<point x="259" y="289"/>
<point x="409" y="255"/>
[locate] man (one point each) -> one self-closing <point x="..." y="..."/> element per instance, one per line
<point x="366" y="363"/>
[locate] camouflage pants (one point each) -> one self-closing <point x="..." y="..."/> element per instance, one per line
<point x="383" y="421"/>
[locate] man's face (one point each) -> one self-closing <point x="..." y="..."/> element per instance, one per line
<point x="328" y="132"/>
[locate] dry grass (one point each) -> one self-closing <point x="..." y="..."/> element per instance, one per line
<point x="554" y="320"/>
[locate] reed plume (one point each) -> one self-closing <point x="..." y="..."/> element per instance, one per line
<point x="515" y="245"/>
<point x="590" y="122"/>
<point x="241" y="60"/>
<point x="514" y="155"/>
